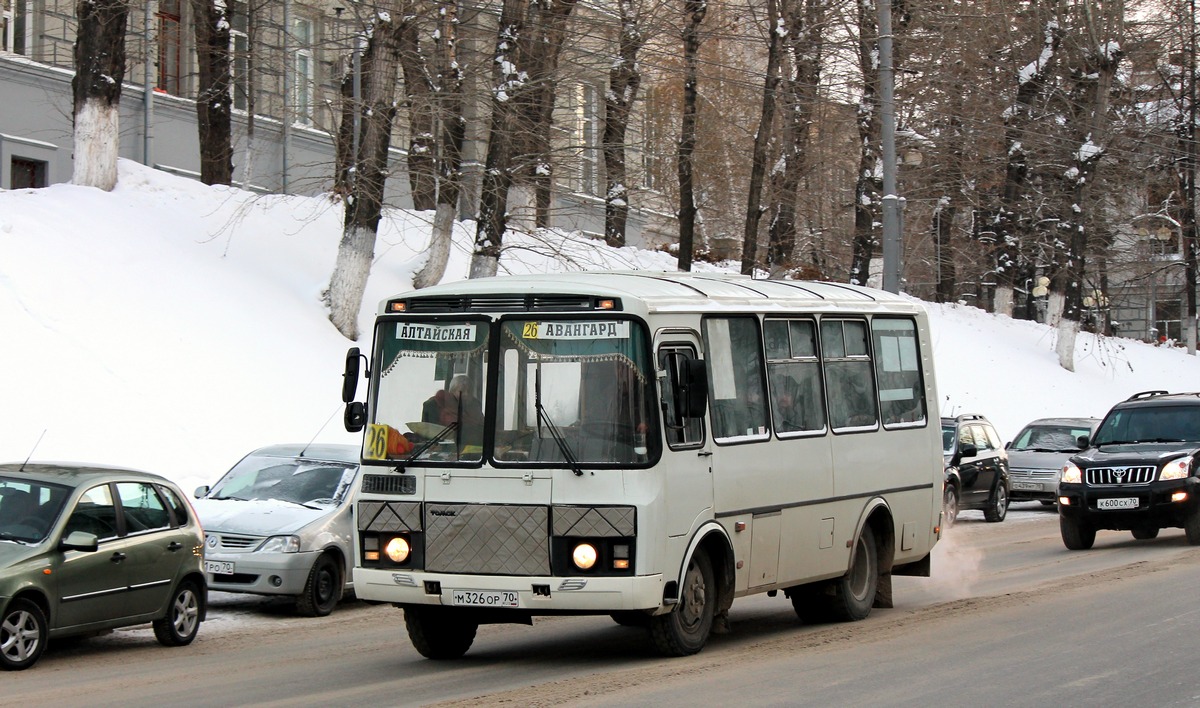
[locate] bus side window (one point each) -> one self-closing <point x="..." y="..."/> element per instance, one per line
<point x="735" y="369"/>
<point x="898" y="370"/>
<point x="691" y="433"/>
<point x="794" y="373"/>
<point x="848" y="375"/>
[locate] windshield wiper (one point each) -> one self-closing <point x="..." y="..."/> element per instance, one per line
<point x="430" y="443"/>
<point x="544" y="417"/>
<point x="5" y="536"/>
<point x="289" y="501"/>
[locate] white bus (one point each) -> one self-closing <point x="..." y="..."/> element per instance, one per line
<point x="643" y="445"/>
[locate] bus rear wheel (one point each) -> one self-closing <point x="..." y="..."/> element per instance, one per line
<point x="685" y="631"/>
<point x="845" y="599"/>
<point x="439" y="633"/>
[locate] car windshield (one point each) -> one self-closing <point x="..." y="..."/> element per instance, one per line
<point x="1050" y="438"/>
<point x="28" y="509"/>
<point x="1141" y="424"/>
<point x="286" y="479"/>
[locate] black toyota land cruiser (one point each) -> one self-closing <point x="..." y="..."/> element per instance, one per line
<point x="1138" y="473"/>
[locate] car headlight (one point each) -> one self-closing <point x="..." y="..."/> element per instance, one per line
<point x="1071" y="474"/>
<point x="1176" y="469"/>
<point x="280" y="544"/>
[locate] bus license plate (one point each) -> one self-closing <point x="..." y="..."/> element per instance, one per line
<point x="1117" y="503"/>
<point x="218" y="567"/>
<point x="485" y="598"/>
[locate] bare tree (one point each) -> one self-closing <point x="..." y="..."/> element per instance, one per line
<point x="422" y="163"/>
<point x="364" y="204"/>
<point x="776" y="29"/>
<point x="99" y="71"/>
<point x="868" y="185"/>
<point x="623" y="80"/>
<point x="213" y="98"/>
<point x="448" y="93"/>
<point x="694" y="11"/>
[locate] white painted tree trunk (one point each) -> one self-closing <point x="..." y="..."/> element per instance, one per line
<point x="349" y="279"/>
<point x="439" y="248"/>
<point x="1054" y="308"/>
<point x="97" y="144"/>
<point x="1003" y="303"/>
<point x="522" y="208"/>
<point x="1068" y="330"/>
<point x="483" y="266"/>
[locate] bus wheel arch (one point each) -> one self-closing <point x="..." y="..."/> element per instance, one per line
<point x="701" y="598"/>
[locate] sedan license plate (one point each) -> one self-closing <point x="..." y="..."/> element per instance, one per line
<point x="1026" y="485"/>
<point x="219" y="567"/>
<point x="485" y="598"/>
<point x="1117" y="503"/>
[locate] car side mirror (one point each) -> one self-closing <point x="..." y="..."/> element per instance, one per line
<point x="1083" y="441"/>
<point x="201" y="491"/>
<point x="1008" y="445"/>
<point x="80" y="541"/>
<point x="968" y="451"/>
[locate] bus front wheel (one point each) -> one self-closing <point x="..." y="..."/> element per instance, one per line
<point x="438" y="632"/>
<point x="685" y="631"/>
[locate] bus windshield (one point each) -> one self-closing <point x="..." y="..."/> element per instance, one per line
<point x="574" y="392"/>
<point x="431" y="392"/>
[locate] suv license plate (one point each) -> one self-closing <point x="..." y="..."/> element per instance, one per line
<point x="218" y="567"/>
<point x="485" y="598"/>
<point x="1117" y="503"/>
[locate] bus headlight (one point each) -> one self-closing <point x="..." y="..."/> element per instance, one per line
<point x="1176" y="469"/>
<point x="1071" y="474"/>
<point x="584" y="556"/>
<point x="397" y="549"/>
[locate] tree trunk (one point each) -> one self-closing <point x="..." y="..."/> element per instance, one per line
<point x="694" y="11"/>
<point x="214" y="99"/>
<point x="449" y="98"/>
<point x="364" y="205"/>
<point x="623" y="80"/>
<point x="422" y="168"/>
<point x="943" y="226"/>
<point x="762" y="139"/>
<point x="508" y="84"/>
<point x="99" y="71"/>
<point x="804" y="21"/>
<point x="1032" y="81"/>
<point x="868" y="186"/>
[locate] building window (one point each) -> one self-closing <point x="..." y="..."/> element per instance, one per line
<point x="28" y="174"/>
<point x="239" y="39"/>
<point x="303" y="99"/>
<point x="170" y="46"/>
<point x="6" y="26"/>
<point x="14" y="26"/>
<point x="589" y="120"/>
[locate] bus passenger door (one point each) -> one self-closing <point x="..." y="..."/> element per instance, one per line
<point x="686" y="460"/>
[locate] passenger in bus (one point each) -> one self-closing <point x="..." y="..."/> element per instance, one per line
<point x="457" y="403"/>
<point x="791" y="411"/>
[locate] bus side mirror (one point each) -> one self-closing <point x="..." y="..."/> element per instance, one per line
<point x="350" y="376"/>
<point x="694" y="388"/>
<point x="355" y="417"/>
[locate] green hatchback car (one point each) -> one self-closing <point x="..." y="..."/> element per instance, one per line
<point x="85" y="549"/>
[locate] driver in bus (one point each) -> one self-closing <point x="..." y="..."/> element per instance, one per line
<point x="457" y="403"/>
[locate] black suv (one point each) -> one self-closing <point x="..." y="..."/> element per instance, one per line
<point x="976" y="468"/>
<point x="1138" y="473"/>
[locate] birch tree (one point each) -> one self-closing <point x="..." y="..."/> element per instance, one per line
<point x="364" y="203"/>
<point x="96" y="87"/>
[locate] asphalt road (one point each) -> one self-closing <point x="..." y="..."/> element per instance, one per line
<point x="1010" y="618"/>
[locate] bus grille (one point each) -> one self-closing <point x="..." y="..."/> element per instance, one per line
<point x="389" y="484"/>
<point x="487" y="539"/>
<point x="1113" y="476"/>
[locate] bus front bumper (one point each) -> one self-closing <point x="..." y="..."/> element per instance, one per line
<point x="549" y="595"/>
